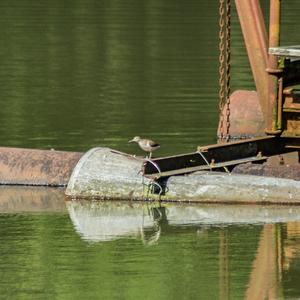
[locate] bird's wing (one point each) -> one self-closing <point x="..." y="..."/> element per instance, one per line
<point x="153" y="144"/>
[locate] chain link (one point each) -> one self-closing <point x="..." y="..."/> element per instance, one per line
<point x="221" y="66"/>
<point x="224" y="67"/>
<point x="227" y="79"/>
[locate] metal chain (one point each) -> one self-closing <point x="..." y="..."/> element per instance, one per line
<point x="228" y="53"/>
<point x="224" y="66"/>
<point x="221" y="65"/>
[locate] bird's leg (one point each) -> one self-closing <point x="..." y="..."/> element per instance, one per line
<point x="150" y="155"/>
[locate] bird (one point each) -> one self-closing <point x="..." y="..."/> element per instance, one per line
<point x="145" y="144"/>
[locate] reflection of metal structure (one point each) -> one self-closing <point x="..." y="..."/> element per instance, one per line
<point x="266" y="271"/>
<point x="272" y="113"/>
<point x="20" y="199"/>
<point x="106" y="221"/>
<point x="99" y="221"/>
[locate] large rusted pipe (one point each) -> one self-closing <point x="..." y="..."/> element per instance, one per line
<point x="274" y="40"/>
<point x="36" y="167"/>
<point x="255" y="36"/>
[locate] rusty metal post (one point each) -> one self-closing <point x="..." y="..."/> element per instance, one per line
<point x="255" y="36"/>
<point x="280" y="103"/>
<point x="274" y="39"/>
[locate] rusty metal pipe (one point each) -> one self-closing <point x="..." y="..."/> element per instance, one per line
<point x="274" y="40"/>
<point x="261" y="29"/>
<point x="36" y="167"/>
<point x="280" y="103"/>
<point x="255" y="36"/>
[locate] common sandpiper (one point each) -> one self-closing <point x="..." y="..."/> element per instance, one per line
<point x="145" y="144"/>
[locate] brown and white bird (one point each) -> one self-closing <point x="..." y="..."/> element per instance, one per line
<point x="145" y="144"/>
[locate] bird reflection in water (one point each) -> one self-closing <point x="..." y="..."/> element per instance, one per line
<point x="150" y="236"/>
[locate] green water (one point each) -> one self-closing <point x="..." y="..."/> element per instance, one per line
<point x="85" y="73"/>
<point x="56" y="249"/>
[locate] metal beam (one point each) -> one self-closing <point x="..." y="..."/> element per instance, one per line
<point x="255" y="37"/>
<point x="218" y="156"/>
<point x="274" y="38"/>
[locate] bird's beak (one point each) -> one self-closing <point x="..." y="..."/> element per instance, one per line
<point x="130" y="141"/>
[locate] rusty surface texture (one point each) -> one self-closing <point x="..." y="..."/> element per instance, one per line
<point x="246" y="118"/>
<point x="284" y="171"/>
<point x="255" y="37"/>
<point x="288" y="96"/>
<point x="274" y="38"/>
<point x="291" y="109"/>
<point x="36" y="167"/>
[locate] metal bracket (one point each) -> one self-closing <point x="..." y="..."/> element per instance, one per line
<point x="217" y="157"/>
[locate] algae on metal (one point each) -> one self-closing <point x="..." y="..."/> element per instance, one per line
<point x="223" y="187"/>
<point x="107" y="174"/>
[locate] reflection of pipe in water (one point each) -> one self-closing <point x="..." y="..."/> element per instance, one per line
<point x="291" y="245"/>
<point x="19" y="199"/>
<point x="105" y="221"/>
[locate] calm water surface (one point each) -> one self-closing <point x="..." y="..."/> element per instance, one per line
<point x="57" y="248"/>
<point x="83" y="73"/>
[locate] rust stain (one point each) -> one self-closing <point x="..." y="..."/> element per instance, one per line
<point x="246" y="117"/>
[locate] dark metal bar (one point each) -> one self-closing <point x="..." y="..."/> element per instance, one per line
<point x="212" y="166"/>
<point x="216" y="156"/>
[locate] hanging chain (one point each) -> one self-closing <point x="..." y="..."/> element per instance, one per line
<point x="227" y="79"/>
<point x="224" y="67"/>
<point x="221" y="66"/>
